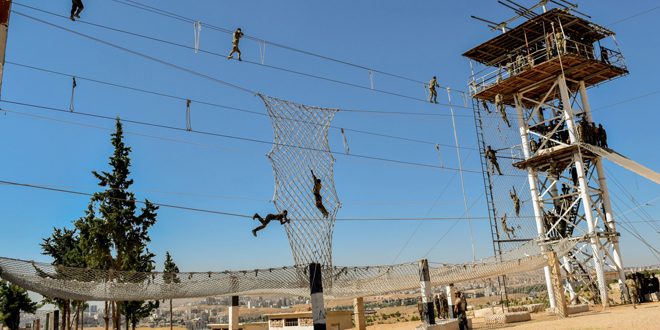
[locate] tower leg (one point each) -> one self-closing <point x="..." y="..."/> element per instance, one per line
<point x="584" y="193"/>
<point x="607" y="205"/>
<point x="537" y="204"/>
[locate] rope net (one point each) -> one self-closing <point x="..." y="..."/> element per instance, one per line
<point x="510" y="228"/>
<point x="344" y="282"/>
<point x="300" y="145"/>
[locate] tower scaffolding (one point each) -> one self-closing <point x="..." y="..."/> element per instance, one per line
<point x="533" y="85"/>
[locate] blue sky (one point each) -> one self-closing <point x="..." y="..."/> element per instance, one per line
<point x="417" y="39"/>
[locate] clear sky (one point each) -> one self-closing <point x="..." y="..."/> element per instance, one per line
<point x="417" y="39"/>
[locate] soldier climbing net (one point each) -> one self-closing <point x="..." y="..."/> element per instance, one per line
<point x="300" y="145"/>
<point x="346" y="282"/>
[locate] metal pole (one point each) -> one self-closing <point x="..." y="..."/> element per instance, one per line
<point x="605" y="196"/>
<point x="584" y="193"/>
<point x="5" y="9"/>
<point x="316" y="291"/>
<point x="425" y="285"/>
<point x="537" y="204"/>
<point x="233" y="313"/>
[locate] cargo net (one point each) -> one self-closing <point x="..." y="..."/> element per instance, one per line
<point x="500" y="131"/>
<point x="347" y="282"/>
<point x="300" y="145"/>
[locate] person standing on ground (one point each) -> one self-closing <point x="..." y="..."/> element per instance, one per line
<point x="76" y="8"/>
<point x="433" y="98"/>
<point x="632" y="290"/>
<point x="460" y="309"/>
<point x="238" y="34"/>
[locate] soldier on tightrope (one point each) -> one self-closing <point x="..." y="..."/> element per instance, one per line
<point x="433" y="98"/>
<point x="76" y="8"/>
<point x="236" y="38"/>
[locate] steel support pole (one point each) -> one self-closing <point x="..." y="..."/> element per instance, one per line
<point x="233" y="313"/>
<point x="537" y="204"/>
<point x="605" y="197"/>
<point x="425" y="288"/>
<point x="316" y="292"/>
<point x="584" y="193"/>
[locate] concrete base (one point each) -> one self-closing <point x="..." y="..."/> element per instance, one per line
<point x="574" y="309"/>
<point x="510" y="317"/>
<point x="532" y="308"/>
<point x="653" y="296"/>
<point x="449" y="324"/>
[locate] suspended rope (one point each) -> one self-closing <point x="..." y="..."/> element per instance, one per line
<point x="347" y="149"/>
<point x="339" y="282"/>
<point x="197" y="30"/>
<point x="371" y="79"/>
<point x="300" y="156"/>
<point x="262" y="51"/>
<point x="437" y="148"/>
<point x="188" y="123"/>
<point x="73" y="92"/>
<point x="460" y="166"/>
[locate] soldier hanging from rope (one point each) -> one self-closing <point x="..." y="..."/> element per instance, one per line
<point x="76" y="8"/>
<point x="317" y="195"/>
<point x="502" y="109"/>
<point x="281" y="217"/>
<point x="433" y="98"/>
<point x="516" y="201"/>
<point x="492" y="158"/>
<point x="238" y="34"/>
<point x="484" y="104"/>
<point x="508" y="230"/>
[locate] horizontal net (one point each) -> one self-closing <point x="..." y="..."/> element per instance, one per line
<point x="345" y="282"/>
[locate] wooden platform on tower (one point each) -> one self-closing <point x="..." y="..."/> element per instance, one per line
<point x="530" y="56"/>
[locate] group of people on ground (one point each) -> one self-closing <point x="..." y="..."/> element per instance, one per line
<point x="640" y="285"/>
<point x="442" y="307"/>
<point x="282" y="217"/>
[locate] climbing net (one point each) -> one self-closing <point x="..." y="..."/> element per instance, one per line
<point x="300" y="145"/>
<point x="346" y="282"/>
<point x="510" y="229"/>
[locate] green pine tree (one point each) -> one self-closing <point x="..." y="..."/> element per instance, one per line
<point x="13" y="301"/>
<point x="169" y="277"/>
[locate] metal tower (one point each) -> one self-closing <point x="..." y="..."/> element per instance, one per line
<point x="537" y="74"/>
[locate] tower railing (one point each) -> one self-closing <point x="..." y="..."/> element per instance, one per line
<point x="526" y="59"/>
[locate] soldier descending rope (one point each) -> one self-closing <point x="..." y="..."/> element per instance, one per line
<point x="499" y="104"/>
<point x="492" y="158"/>
<point x="317" y="195"/>
<point x="516" y="201"/>
<point x="508" y="230"/>
<point x="281" y="217"/>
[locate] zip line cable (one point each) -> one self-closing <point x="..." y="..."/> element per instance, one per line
<point x="226" y="107"/>
<point x="181" y="18"/>
<point x="231" y="214"/>
<point x="139" y="54"/>
<point x="246" y="61"/>
<point x="128" y="132"/>
<point x="240" y="138"/>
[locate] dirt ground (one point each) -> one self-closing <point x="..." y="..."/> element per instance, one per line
<point x="646" y="316"/>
